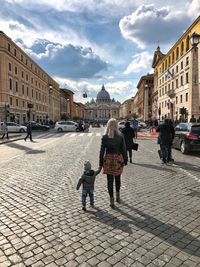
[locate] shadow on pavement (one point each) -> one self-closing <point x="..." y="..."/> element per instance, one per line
<point x="187" y="166"/>
<point x="27" y="149"/>
<point x="155" y="167"/>
<point x="103" y="216"/>
<point x="167" y="232"/>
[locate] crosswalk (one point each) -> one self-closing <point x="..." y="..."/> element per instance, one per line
<point x="69" y="134"/>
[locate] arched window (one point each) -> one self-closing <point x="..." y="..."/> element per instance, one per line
<point x="177" y="52"/>
<point x="182" y="48"/>
<point x="173" y="57"/>
<point x="187" y="43"/>
<point x="169" y="61"/>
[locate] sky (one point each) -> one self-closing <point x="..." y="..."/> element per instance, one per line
<point x="83" y="44"/>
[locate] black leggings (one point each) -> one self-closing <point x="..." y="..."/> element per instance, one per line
<point x="110" y="181"/>
<point x="129" y="152"/>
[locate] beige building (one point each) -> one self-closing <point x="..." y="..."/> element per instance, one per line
<point x="126" y="109"/>
<point x="26" y="90"/>
<point x="177" y="78"/>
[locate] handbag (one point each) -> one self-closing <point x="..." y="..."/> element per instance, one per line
<point x="135" y="146"/>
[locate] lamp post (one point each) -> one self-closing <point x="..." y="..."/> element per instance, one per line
<point x="194" y="77"/>
<point x="7" y="112"/>
<point x="50" y="101"/>
<point x="146" y="100"/>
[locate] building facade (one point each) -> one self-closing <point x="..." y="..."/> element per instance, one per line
<point x="103" y="108"/>
<point x="27" y="92"/>
<point x="177" y="76"/>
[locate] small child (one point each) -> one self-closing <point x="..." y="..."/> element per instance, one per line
<point x="87" y="179"/>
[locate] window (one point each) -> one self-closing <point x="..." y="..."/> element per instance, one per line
<point x="177" y="53"/>
<point x="181" y="80"/>
<point x="32" y="93"/>
<point x="9" y="66"/>
<point x="172" y="57"/>
<point x="22" y="89"/>
<point x="181" y="65"/>
<point x="181" y="98"/>
<point x="27" y="90"/>
<point x="32" y="80"/>
<point x="182" y="48"/>
<point x="22" y="74"/>
<point x="165" y="89"/>
<point x="17" y="102"/>
<point x="11" y="101"/>
<point x="10" y="84"/>
<point x="26" y="77"/>
<point x="186" y="97"/>
<point x="172" y="85"/>
<point x="187" y="61"/>
<point x="8" y="47"/>
<point x="187" y="43"/>
<point x="176" y="83"/>
<point x="16" y="70"/>
<point x="187" y="77"/>
<point x="26" y="61"/>
<point x="16" y="87"/>
<point x="169" y="61"/>
<point x="23" y="104"/>
<point x="176" y="99"/>
<point x="168" y="86"/>
<point x="22" y="58"/>
<point x="177" y="69"/>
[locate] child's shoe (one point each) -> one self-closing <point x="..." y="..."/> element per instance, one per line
<point x="84" y="208"/>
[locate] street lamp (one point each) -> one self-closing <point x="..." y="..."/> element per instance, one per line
<point x="7" y="112"/>
<point x="195" y="89"/>
<point x="195" y="39"/>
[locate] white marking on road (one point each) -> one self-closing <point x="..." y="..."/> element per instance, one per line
<point x="89" y="134"/>
<point x="81" y="134"/>
<point x="98" y="134"/>
<point x="188" y="173"/>
<point x="72" y="135"/>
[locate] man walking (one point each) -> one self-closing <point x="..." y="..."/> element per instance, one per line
<point x="166" y="137"/>
<point x="29" y="132"/>
<point x="4" y="130"/>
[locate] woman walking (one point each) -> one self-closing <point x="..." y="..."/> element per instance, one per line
<point x="112" y="158"/>
<point x="129" y="134"/>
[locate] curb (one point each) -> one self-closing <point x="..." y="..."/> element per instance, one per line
<point x="11" y="140"/>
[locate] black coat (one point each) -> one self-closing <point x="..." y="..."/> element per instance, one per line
<point x="167" y="133"/>
<point x="112" y="146"/>
<point x="129" y="134"/>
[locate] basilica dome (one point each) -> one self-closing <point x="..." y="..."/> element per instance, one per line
<point x="103" y="96"/>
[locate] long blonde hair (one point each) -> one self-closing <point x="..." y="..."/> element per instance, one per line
<point x="112" y="128"/>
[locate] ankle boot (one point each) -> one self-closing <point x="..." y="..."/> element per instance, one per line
<point x="112" y="202"/>
<point x="118" y="197"/>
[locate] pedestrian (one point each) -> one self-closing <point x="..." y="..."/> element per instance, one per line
<point x="4" y="130"/>
<point x="166" y="136"/>
<point x="113" y="157"/>
<point x="29" y="132"/>
<point x="135" y="126"/>
<point x="129" y="134"/>
<point x="193" y="119"/>
<point x="198" y="120"/>
<point x="87" y="181"/>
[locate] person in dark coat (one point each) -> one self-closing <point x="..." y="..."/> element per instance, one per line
<point x="29" y="132"/>
<point x="112" y="158"/>
<point x="129" y="134"/>
<point x="166" y="137"/>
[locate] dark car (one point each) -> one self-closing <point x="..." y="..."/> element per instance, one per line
<point x="187" y="137"/>
<point x="39" y="127"/>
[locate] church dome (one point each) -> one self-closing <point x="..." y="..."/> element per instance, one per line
<point x="103" y="96"/>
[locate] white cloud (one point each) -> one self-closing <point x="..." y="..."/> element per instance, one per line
<point x="194" y="8"/>
<point x="140" y="62"/>
<point x="148" y="25"/>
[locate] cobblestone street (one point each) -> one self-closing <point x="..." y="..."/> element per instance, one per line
<point x="42" y="223"/>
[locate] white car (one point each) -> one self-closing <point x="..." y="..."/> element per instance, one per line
<point x="121" y="125"/>
<point x="15" y="128"/>
<point x="66" y="126"/>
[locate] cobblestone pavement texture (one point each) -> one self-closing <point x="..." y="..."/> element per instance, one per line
<point x="157" y="222"/>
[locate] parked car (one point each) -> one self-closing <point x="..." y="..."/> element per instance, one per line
<point x="15" y="128"/>
<point x="121" y="125"/>
<point x="66" y="126"/>
<point x="187" y="137"/>
<point x="38" y="127"/>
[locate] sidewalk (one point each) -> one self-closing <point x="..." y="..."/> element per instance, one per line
<point x="12" y="138"/>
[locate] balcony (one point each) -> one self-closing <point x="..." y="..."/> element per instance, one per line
<point x="171" y="93"/>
